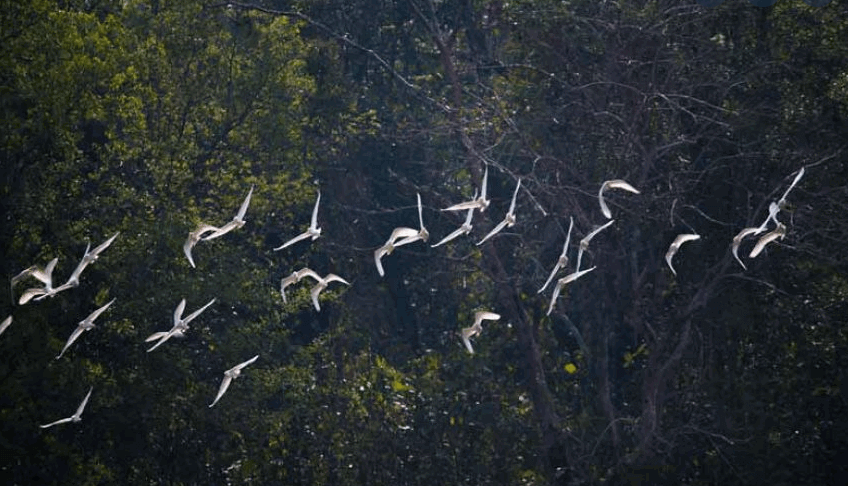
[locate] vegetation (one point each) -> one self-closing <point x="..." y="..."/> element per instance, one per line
<point x="150" y="117"/>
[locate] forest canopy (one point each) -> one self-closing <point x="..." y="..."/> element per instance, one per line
<point x="145" y="120"/>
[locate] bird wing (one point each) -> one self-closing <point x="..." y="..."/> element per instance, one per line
<point x="197" y="312"/>
<point x="766" y="239"/>
<point x="669" y="254"/>
<point x="485" y="183"/>
<point x="420" y="212"/>
<point x="408" y="240"/>
<point x="797" y="178"/>
<point x="554" y="296"/>
<point x="6" y="323"/>
<point x="178" y="311"/>
<point x="104" y="245"/>
<point x="332" y="277"/>
<point x="378" y="254"/>
<point x="595" y="231"/>
<point x="315" y="291"/>
<point x="474" y="204"/>
<point x="401" y="232"/>
<point x="514" y="196"/>
<point x="162" y="339"/>
<point x="155" y="336"/>
<point x="294" y="240"/>
<point x="74" y="335"/>
<point x="551" y="277"/>
<point x="568" y="236"/>
<point x="60" y="421"/>
<point x="621" y="184"/>
<point x="30" y="293"/>
<point x="24" y="274"/>
<point x="314" y="223"/>
<point x="219" y="231"/>
<point x="225" y="383"/>
<point x="243" y="209"/>
<point x="480" y="316"/>
<point x="494" y="231"/>
<point x="94" y="315"/>
<point x="466" y="333"/>
<point x="78" y="413"/>
<point x="240" y="366"/>
<point x="604" y="208"/>
<point x="306" y="272"/>
<point x="574" y="276"/>
<point x="468" y="217"/>
<point x="187" y="246"/>
<point x="451" y="236"/>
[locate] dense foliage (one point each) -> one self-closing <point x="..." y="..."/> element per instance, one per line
<point x="149" y="117"/>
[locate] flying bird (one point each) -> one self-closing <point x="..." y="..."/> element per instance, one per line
<point x="6" y="323"/>
<point x="45" y="275"/>
<point x="180" y="325"/>
<point x="477" y="327"/>
<point x="295" y="277"/>
<point x="88" y="258"/>
<point x="774" y="208"/>
<point x="613" y="184"/>
<point x="237" y="222"/>
<point x="584" y="243"/>
<point x="422" y="234"/>
<point x="230" y="375"/>
<point x="509" y="219"/>
<point x="776" y="233"/>
<point x="390" y="245"/>
<point x="84" y="325"/>
<point x="194" y="237"/>
<point x="76" y="417"/>
<point x="462" y="230"/>
<point x="480" y="203"/>
<point x="676" y="246"/>
<point x="322" y="284"/>
<point x="563" y="282"/>
<point x="313" y="231"/>
<point x="562" y="261"/>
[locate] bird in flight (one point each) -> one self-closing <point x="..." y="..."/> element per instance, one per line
<point x="563" y="282"/>
<point x="584" y="243"/>
<point x="562" y="261"/>
<point x="480" y="203"/>
<point x="776" y="233"/>
<point x="195" y="236"/>
<point x="509" y="219"/>
<point x="313" y="231"/>
<point x="295" y="277"/>
<point x="84" y="325"/>
<point x="76" y="417"/>
<point x="390" y="245"/>
<point x="477" y="327"/>
<point x="237" y="222"/>
<point x="45" y="275"/>
<point x="180" y="325"/>
<point x="322" y="284"/>
<point x="230" y="375"/>
<point x="6" y="323"/>
<point x="422" y="234"/>
<point x="613" y="184"/>
<point x="675" y="245"/>
<point x="88" y="258"/>
<point x="462" y="230"/>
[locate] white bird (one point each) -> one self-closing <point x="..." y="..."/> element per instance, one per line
<point x="180" y="325"/>
<point x="313" y="231"/>
<point x="76" y="417"/>
<point x="477" y="327"/>
<point x="389" y="246"/>
<point x="84" y="325"/>
<point x="295" y="277"/>
<point x="563" y="282"/>
<point x="774" y="208"/>
<point x="782" y="202"/>
<point x="6" y="323"/>
<point x="422" y="234"/>
<point x="562" y="261"/>
<point x="322" y="284"/>
<point x="584" y="243"/>
<point x="229" y="376"/>
<point x="776" y="233"/>
<point x="462" y="230"/>
<point x="237" y="222"/>
<point x="88" y="258"/>
<point x="480" y="203"/>
<point x="194" y="237"/>
<point x="613" y="184"/>
<point x="45" y="275"/>
<point x="675" y="245"/>
<point x="509" y="219"/>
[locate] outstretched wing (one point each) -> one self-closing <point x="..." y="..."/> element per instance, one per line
<point x="225" y="383"/>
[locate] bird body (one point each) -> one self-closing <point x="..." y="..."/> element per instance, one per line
<point x="778" y="232"/>
<point x="675" y="245"/>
